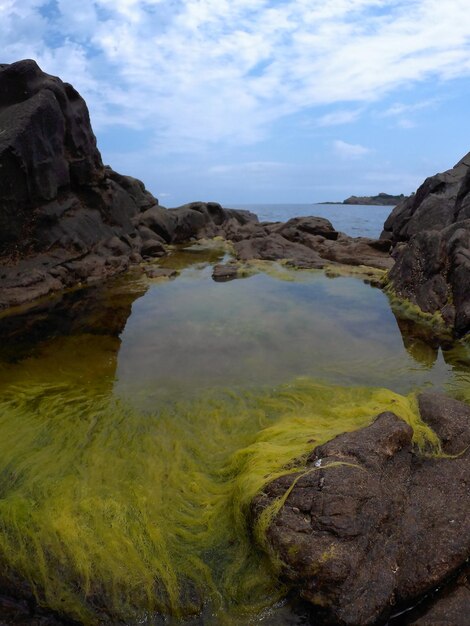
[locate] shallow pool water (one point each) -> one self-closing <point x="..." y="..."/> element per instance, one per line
<point x="139" y="418"/>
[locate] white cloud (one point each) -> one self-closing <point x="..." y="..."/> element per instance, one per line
<point x="349" y="150"/>
<point x="251" y="167"/>
<point x="400" y="109"/>
<point x="202" y="72"/>
<point x="338" y="117"/>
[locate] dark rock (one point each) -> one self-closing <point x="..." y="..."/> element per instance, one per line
<point x="431" y="234"/>
<point x="382" y="199"/>
<point x="66" y="219"/>
<point x="382" y="526"/>
<point x="223" y="273"/>
<point x="160" y="221"/>
<point x="308" y="242"/>
<point x="312" y="225"/>
<point x="152" y="248"/>
<point x="154" y="271"/>
<point x="448" y="607"/>
<point x="275" y="248"/>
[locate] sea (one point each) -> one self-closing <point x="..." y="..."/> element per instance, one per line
<point x="354" y="220"/>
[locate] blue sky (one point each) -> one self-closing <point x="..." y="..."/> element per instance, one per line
<point x="249" y="101"/>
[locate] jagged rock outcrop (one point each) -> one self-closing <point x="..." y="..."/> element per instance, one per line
<point x="372" y="525"/>
<point x="65" y="218"/>
<point x="431" y="236"/>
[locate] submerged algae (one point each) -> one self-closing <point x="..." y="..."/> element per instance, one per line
<point x="109" y="512"/>
<point x="123" y="509"/>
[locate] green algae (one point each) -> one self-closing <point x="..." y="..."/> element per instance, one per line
<point x="199" y="254"/>
<point x="403" y="307"/>
<point x="373" y="275"/>
<point x="116" y="511"/>
<point x="106" y="510"/>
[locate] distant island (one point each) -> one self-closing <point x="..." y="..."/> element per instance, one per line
<point x="382" y="199"/>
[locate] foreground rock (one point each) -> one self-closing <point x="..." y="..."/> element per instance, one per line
<point x="372" y="526"/>
<point x="430" y="232"/>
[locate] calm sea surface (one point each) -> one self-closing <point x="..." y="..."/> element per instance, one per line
<point x="355" y="220"/>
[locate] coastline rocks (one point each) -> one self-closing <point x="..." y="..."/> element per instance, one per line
<point x="308" y="242"/>
<point x="448" y="608"/>
<point x="371" y="525"/>
<point x="381" y="199"/>
<point x="430" y="233"/>
<point x="65" y="218"/>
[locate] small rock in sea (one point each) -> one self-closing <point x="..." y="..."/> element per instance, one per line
<point x="160" y="272"/>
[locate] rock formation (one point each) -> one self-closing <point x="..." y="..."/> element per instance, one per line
<point x="307" y="242"/>
<point x="67" y="219"/>
<point x="430" y="232"/>
<point x="381" y="199"/>
<point x="371" y="525"/>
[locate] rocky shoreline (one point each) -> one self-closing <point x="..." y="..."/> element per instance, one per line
<point x="68" y="220"/>
<point x="372" y="525"/>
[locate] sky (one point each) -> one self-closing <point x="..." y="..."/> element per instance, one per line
<point x="260" y="101"/>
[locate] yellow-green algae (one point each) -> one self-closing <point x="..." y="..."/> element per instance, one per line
<point x="107" y="510"/>
<point x="403" y="307"/>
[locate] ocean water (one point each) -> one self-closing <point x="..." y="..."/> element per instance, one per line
<point x="354" y="220"/>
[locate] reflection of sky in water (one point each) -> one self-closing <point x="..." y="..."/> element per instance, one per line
<point x="194" y="333"/>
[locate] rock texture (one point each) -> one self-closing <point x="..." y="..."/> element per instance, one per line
<point x="373" y="526"/>
<point x="450" y="607"/>
<point x="308" y="242"/>
<point x="430" y="232"/>
<point x="65" y="218"/>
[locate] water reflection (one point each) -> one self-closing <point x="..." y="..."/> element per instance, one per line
<point x="152" y="341"/>
<point x="193" y="333"/>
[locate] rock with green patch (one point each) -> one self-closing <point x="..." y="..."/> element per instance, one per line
<point x="430" y="232"/>
<point x="372" y="524"/>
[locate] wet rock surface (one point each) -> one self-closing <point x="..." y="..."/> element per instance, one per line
<point x="371" y="525"/>
<point x="308" y="242"/>
<point x="430" y="232"/>
<point x="450" y="606"/>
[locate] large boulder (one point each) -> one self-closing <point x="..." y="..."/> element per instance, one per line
<point x="54" y="188"/>
<point x="371" y="525"/>
<point x="430" y="232"/>
<point x="65" y="218"/>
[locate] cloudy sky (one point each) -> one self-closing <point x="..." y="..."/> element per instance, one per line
<point x="245" y="101"/>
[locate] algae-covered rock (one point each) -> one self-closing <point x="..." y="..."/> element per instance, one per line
<point x="430" y="232"/>
<point x="371" y="524"/>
